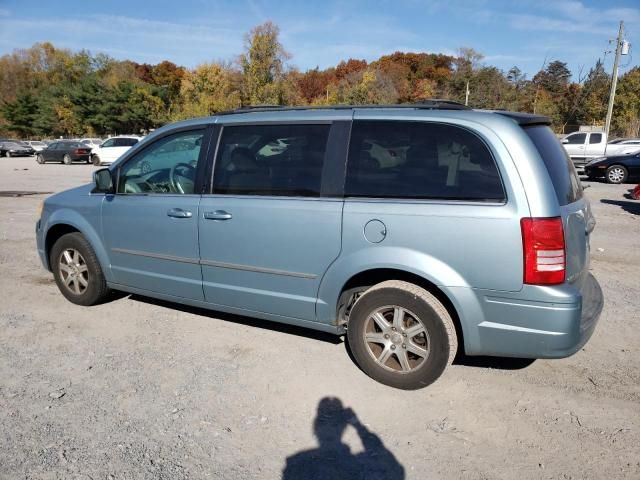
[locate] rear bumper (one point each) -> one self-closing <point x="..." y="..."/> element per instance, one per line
<point x="553" y="327"/>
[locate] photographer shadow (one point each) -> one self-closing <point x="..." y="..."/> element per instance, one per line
<point x="333" y="459"/>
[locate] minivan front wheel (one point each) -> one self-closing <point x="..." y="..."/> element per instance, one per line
<point x="401" y="335"/>
<point x="77" y="271"/>
<point x="40" y="159"/>
<point x="95" y="159"/>
<point x="616" y="174"/>
<point x="66" y="159"/>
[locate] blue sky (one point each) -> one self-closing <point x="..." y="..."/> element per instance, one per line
<point x="321" y="33"/>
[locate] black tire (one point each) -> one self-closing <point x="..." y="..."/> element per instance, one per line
<point x="616" y="174"/>
<point x="40" y="159"/>
<point x="96" y="290"/>
<point x="8" y="154"/>
<point x="421" y="307"/>
<point x="66" y="159"/>
<point x="96" y="160"/>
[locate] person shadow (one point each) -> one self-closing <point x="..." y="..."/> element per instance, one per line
<point x="333" y="459"/>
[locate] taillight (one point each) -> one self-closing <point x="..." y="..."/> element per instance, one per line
<point x="544" y="250"/>
<point x="81" y="151"/>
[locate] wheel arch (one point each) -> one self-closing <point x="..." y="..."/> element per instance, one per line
<point x="67" y="221"/>
<point x="359" y="281"/>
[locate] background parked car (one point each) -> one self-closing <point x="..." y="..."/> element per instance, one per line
<point x="15" y="149"/>
<point x="65" y="151"/>
<point x="37" y="145"/>
<point x="585" y="146"/>
<point x="625" y="141"/>
<point x="615" y="169"/>
<point x="93" y="143"/>
<point x="111" y="149"/>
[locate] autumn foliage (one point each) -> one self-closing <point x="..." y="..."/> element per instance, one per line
<point x="48" y="91"/>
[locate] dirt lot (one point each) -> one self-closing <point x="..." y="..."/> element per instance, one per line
<point x="139" y="389"/>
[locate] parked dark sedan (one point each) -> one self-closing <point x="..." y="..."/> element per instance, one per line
<point x="14" y="149"/>
<point x="65" y="151"/>
<point x="615" y="169"/>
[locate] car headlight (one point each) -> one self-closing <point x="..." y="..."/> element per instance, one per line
<point x="595" y="160"/>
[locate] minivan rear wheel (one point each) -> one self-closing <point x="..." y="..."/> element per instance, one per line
<point x="401" y="335"/>
<point x="77" y="271"/>
<point x="616" y="174"/>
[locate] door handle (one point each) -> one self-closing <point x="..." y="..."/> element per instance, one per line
<point x="179" y="213"/>
<point x="217" y="215"/>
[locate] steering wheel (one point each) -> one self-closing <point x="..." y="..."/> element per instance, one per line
<point x="174" y="177"/>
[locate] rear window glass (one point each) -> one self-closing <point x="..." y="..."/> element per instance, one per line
<point x="563" y="175"/>
<point x="422" y="160"/>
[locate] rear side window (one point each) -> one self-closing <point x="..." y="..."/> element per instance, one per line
<point x="563" y="175"/>
<point x="595" y="138"/>
<point x="125" y="142"/>
<point x="278" y="160"/>
<point x="396" y="159"/>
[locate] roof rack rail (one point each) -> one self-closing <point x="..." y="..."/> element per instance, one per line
<point x="435" y="104"/>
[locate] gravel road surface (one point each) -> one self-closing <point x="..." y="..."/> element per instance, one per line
<point x="139" y="389"/>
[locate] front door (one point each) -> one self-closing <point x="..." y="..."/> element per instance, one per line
<point x="267" y="233"/>
<point x="595" y="145"/>
<point x="575" y="144"/>
<point x="53" y="152"/>
<point x="151" y="224"/>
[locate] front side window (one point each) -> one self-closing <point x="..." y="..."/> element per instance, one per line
<point x="395" y="159"/>
<point x="577" y="139"/>
<point x="166" y="166"/>
<point x="279" y="160"/>
<point x="108" y="143"/>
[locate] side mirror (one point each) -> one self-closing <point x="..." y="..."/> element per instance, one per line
<point x="103" y="181"/>
<point x="565" y="140"/>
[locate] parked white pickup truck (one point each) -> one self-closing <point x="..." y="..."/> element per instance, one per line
<point x="583" y="147"/>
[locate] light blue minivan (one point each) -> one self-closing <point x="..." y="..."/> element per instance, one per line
<point x="419" y="231"/>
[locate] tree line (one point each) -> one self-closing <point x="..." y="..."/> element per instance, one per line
<point x="47" y="91"/>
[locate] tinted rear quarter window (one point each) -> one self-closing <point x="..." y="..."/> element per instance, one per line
<point x="421" y="160"/>
<point x="561" y="171"/>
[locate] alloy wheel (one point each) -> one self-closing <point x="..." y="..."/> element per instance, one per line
<point x="616" y="175"/>
<point x="396" y="339"/>
<point x="73" y="271"/>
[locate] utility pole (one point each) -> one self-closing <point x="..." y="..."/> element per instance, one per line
<point x="466" y="98"/>
<point x="614" y="80"/>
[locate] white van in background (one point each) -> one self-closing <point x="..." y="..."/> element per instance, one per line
<point x="112" y="148"/>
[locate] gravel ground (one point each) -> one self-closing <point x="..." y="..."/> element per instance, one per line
<point x="140" y="389"/>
